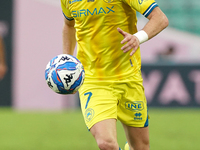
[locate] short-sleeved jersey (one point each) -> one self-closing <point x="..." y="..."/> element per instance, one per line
<point x="98" y="41"/>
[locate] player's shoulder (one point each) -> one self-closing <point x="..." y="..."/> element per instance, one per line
<point x="143" y="2"/>
<point x="64" y="2"/>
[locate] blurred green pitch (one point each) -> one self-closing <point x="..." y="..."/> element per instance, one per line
<point x="170" y="129"/>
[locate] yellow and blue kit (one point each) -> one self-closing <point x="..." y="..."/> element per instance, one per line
<point x="106" y="65"/>
<point x="98" y="41"/>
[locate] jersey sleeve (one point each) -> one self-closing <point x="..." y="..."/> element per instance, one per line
<point x="65" y="10"/>
<point x="145" y="7"/>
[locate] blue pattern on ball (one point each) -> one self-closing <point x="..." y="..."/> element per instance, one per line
<point x="52" y="65"/>
<point x="47" y="73"/>
<point x="77" y="82"/>
<point x="53" y="60"/>
<point x="68" y="63"/>
<point x="67" y="66"/>
<point x="56" y="79"/>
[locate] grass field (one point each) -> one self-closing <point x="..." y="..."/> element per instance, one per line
<point x="170" y="129"/>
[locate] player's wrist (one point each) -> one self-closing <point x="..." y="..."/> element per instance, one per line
<point x="142" y="36"/>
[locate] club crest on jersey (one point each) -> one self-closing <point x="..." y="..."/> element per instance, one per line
<point x="73" y="1"/>
<point x="108" y="1"/>
<point x="89" y="114"/>
<point x="140" y="1"/>
<point x="90" y="0"/>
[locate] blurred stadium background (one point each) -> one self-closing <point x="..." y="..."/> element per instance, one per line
<point x="33" y="117"/>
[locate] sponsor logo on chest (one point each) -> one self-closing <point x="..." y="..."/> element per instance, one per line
<point x="91" y="12"/>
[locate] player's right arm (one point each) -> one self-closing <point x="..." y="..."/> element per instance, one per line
<point x="69" y="39"/>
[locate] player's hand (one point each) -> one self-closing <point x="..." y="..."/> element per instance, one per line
<point x="132" y="42"/>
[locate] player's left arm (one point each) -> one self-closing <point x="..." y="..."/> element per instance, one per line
<point x="69" y="39"/>
<point x="157" y="22"/>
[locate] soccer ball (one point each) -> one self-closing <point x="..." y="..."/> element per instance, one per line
<point x="64" y="74"/>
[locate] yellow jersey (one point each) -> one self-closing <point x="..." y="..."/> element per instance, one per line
<point x="98" y="41"/>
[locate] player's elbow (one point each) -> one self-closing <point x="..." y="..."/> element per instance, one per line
<point x="164" y="21"/>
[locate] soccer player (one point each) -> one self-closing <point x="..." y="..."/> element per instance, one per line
<point x="108" y="47"/>
<point x="3" y="66"/>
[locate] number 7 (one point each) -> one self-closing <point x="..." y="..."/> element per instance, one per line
<point x="90" y="94"/>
